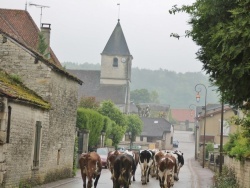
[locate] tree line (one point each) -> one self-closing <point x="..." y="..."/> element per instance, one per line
<point x="161" y="86"/>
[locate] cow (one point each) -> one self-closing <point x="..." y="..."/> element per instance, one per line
<point x="122" y="171"/>
<point x="153" y="166"/>
<point x="91" y="167"/>
<point x="157" y="157"/>
<point x="111" y="159"/>
<point x="167" y="166"/>
<point x="135" y="156"/>
<point x="145" y="161"/>
<point x="180" y="162"/>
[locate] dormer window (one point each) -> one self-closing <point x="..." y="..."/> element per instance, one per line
<point x="115" y="62"/>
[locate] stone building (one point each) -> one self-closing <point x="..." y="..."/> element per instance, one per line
<point x="37" y="143"/>
<point x="112" y="82"/>
<point x="157" y="133"/>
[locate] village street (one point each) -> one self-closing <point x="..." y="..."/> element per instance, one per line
<point x="192" y="175"/>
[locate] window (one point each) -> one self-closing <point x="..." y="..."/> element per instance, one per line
<point x="37" y="144"/>
<point x="226" y="128"/>
<point x="8" y="125"/>
<point x="115" y="62"/>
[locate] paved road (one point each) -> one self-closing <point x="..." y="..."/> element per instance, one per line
<point x="192" y="175"/>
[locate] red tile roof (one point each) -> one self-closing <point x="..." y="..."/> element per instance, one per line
<point x="182" y="115"/>
<point x="20" y="25"/>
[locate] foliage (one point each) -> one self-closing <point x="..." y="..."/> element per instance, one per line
<point x="227" y="179"/>
<point x="82" y="121"/>
<point x="144" y="96"/>
<point x="16" y="78"/>
<point x="57" y="174"/>
<point x="239" y="142"/>
<point x="29" y="183"/>
<point x="117" y="134"/>
<point x="107" y="128"/>
<point x="209" y="147"/>
<point x="135" y="125"/>
<point x="88" y="102"/>
<point x="222" y="30"/>
<point x="109" y="109"/>
<point x="94" y="123"/>
<point x="119" y="124"/>
<point x="82" y="66"/>
<point x="42" y="46"/>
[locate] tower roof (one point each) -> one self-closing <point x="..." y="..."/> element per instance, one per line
<point x="116" y="44"/>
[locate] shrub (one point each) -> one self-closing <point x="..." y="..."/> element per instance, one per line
<point x="227" y="179"/>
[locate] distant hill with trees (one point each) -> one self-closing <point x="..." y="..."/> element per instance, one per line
<point x="175" y="89"/>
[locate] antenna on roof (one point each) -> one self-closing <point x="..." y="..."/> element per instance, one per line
<point x="39" y="6"/>
<point x="26" y="6"/>
<point x="118" y="12"/>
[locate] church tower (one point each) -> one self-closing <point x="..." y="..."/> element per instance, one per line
<point x="116" y="62"/>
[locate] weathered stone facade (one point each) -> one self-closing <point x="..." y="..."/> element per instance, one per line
<point x="242" y="170"/>
<point x="58" y="124"/>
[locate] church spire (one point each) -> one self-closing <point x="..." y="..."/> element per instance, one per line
<point x="116" y="44"/>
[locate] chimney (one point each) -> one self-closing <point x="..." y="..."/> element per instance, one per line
<point x="45" y="30"/>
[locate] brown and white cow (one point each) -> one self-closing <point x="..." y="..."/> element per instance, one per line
<point x="167" y="167"/>
<point x="157" y="157"/>
<point x="123" y="171"/>
<point x="91" y="166"/>
<point x="135" y="156"/>
<point x="111" y="159"/>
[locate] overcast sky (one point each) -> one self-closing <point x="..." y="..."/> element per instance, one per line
<point x="80" y="30"/>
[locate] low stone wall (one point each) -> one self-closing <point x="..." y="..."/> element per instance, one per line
<point x="242" y="170"/>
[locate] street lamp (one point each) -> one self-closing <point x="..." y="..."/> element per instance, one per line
<point x="193" y="107"/>
<point x="198" y="90"/>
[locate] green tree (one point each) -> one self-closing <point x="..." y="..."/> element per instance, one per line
<point x="140" y="96"/>
<point x="119" y="125"/>
<point x="89" y="102"/>
<point x="154" y="97"/>
<point x="135" y="125"/>
<point x="116" y="134"/>
<point x="91" y="120"/>
<point x="222" y="30"/>
<point x="108" y="108"/>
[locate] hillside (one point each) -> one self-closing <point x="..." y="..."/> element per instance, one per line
<point x="176" y="89"/>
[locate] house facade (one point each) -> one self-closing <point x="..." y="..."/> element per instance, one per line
<point x="20" y="58"/>
<point x="184" y="119"/>
<point x="213" y="126"/>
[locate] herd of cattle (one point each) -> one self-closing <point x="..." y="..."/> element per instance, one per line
<point x="164" y="165"/>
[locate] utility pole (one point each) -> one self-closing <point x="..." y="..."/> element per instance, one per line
<point x="221" y="134"/>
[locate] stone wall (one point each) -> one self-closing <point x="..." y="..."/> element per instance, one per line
<point x="56" y="88"/>
<point x="242" y="170"/>
<point x="17" y="155"/>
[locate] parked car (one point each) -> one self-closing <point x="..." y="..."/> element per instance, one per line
<point x="175" y="143"/>
<point x="103" y="152"/>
